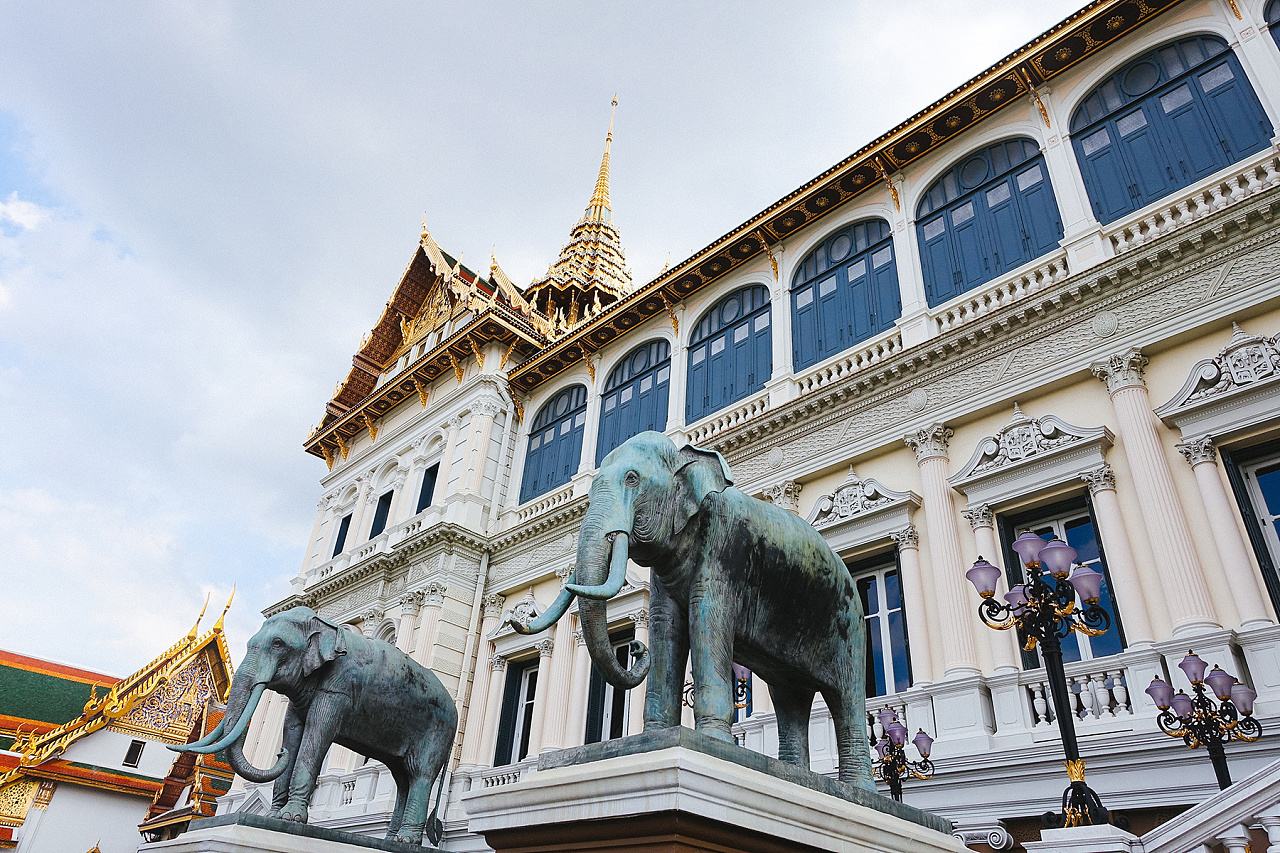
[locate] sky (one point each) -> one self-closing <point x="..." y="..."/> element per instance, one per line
<point x="204" y="206"/>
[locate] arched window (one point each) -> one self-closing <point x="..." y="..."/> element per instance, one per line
<point x="635" y="396"/>
<point x="845" y="291"/>
<point x="994" y="211"/>
<point x="1164" y="121"/>
<point x="555" y="442"/>
<point x="1273" y="20"/>
<point x="730" y="353"/>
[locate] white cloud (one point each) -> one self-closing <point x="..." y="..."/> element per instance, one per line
<point x="24" y="214"/>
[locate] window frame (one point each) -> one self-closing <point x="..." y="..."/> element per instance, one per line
<point x="518" y="702"/>
<point x="531" y="480"/>
<point x="602" y="696"/>
<point x="1236" y="461"/>
<point x="755" y="352"/>
<point x="629" y="387"/>
<point x="879" y="567"/>
<point x="426" y="495"/>
<point x="344" y="531"/>
<point x="137" y="756"/>
<point x="382" y="513"/>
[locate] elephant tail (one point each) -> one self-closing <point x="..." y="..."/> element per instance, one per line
<point x="435" y="826"/>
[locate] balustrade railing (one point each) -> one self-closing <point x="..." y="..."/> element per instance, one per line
<point x="727" y="420"/>
<point x="557" y="497"/>
<point x="867" y="355"/>
<point x="1254" y="176"/>
<point x="1099" y="693"/>
<point x="1244" y="816"/>
<point x="1003" y="291"/>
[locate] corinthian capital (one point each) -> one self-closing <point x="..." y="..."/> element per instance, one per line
<point x="1099" y="479"/>
<point x="493" y="605"/>
<point x="980" y="515"/>
<point x="785" y="495"/>
<point x="907" y="537"/>
<point x="545" y="647"/>
<point x="1121" y="371"/>
<point x="930" y="442"/>
<point x="487" y="407"/>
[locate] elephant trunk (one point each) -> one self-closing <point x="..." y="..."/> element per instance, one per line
<point x="595" y="551"/>
<point x="242" y="765"/>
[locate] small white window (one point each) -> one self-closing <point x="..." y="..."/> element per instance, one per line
<point x="881" y="257"/>
<point x="962" y="214"/>
<point x="626" y="396"/>
<point x="998" y="195"/>
<point x="804" y="297"/>
<point x="934" y="228"/>
<point x="698" y="355"/>
<point x="827" y="287"/>
<point x="740" y="333"/>
<point x="580" y="419"/>
<point x="646" y="384"/>
<point x="663" y="374"/>
<point x="762" y="322"/>
<point x="857" y="269"/>
<point x="717" y="346"/>
<point x="1179" y="97"/>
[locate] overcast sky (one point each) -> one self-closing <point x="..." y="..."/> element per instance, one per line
<point x="204" y="206"/>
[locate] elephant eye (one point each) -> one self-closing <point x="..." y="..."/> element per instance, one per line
<point x="277" y="642"/>
<point x="632" y="479"/>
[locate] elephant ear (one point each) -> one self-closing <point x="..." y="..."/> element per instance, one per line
<point x="324" y="643"/>
<point x="699" y="472"/>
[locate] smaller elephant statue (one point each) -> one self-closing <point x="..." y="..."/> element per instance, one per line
<point x="347" y="689"/>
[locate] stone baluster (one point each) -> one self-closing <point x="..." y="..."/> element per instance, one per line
<point x="914" y="600"/>
<point x="945" y="556"/>
<point x="1270" y="821"/>
<point x="1235" y="839"/>
<point x="576" y="714"/>
<point x="542" y="697"/>
<point x="635" y="706"/>
<point x="1239" y="577"/>
<point x="1004" y="644"/>
<point x="424" y="643"/>
<point x="1134" y="597"/>
<point x="485" y="698"/>
<point x="1187" y="593"/>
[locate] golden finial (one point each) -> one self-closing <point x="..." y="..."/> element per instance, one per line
<point x="599" y="208"/>
<point x="217" y="626"/>
<point x="196" y="627"/>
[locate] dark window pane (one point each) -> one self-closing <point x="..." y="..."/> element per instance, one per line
<point x="901" y="663"/>
<point x="1269" y="484"/>
<point x="344" y="527"/>
<point x="380" y="514"/>
<point x="875" y="658"/>
<point x="892" y="591"/>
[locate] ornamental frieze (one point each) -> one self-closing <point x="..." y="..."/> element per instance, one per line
<point x="1021" y="439"/>
<point x="855" y="497"/>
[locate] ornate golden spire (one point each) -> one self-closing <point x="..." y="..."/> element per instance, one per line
<point x="598" y="208"/>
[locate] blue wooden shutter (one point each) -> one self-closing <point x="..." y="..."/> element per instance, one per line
<point x="1239" y="122"/>
<point x="731" y="350"/>
<point x="555" y="443"/>
<point x="380" y="514"/>
<point x="940" y="270"/>
<point x="1105" y="173"/>
<point x="887" y="297"/>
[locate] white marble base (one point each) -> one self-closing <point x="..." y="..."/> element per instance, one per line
<point x="1084" y="839"/>
<point x="239" y="834"/>
<point x="681" y="780"/>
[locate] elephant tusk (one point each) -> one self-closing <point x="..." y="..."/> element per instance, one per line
<point x="548" y="617"/>
<point x="211" y="737"/>
<point x="238" y="729"/>
<point x="617" y="574"/>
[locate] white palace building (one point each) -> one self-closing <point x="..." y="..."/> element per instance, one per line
<point x="1050" y="302"/>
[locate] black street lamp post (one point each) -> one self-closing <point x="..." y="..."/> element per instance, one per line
<point x="893" y="766"/>
<point x="1044" y="612"/>
<point x="1198" y="719"/>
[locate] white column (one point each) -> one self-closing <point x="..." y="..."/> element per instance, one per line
<point x="780" y="320"/>
<point x="410" y="623"/>
<point x="915" y="322"/>
<point x="424" y="641"/>
<point x="556" y="685"/>
<point x="1174" y="554"/>
<point x="487" y="742"/>
<point x="1135" y="596"/>
<point x="946" y="560"/>
<point x="919" y="624"/>
<point x="1004" y="652"/>
<point x="370" y="620"/>
<point x="576" y="714"/>
<point x="316" y="553"/>
<point x="542" y="697"/>
<point x="360" y="511"/>
<point x="1239" y="578"/>
<point x="486" y="689"/>
<point x="679" y="387"/>
<point x="590" y="431"/>
<point x="451" y="428"/>
<point x="635" y="708"/>
<point x="483" y="413"/>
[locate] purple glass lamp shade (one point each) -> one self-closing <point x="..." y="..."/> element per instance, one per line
<point x="923" y="743"/>
<point x="1028" y="546"/>
<point x="1182" y="705"/>
<point x="897" y="733"/>
<point x="886" y="717"/>
<point x="882" y="747"/>
<point x="1242" y="696"/>
<point x="1057" y="557"/>
<point x="983" y="576"/>
<point x="1220" y="682"/>
<point x="1087" y="583"/>
<point x="1161" y="692"/>
<point x="1016" y="597"/>
<point x="1194" y="667"/>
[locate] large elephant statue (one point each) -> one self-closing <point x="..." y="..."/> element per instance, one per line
<point x="734" y="578"/>
<point x="347" y="689"/>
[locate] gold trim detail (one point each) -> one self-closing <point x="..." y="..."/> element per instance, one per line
<point x="424" y="391"/>
<point x="371" y="425"/>
<point x="884" y="176"/>
<point x="1075" y="770"/>
<point x="457" y="368"/>
<point x="343" y="447"/>
<point x="476" y="353"/>
<point x="670" y="308"/>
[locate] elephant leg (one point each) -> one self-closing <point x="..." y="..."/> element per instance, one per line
<point x="318" y="732"/>
<point x="402" y="779"/>
<point x="849" y="714"/>
<point x="792" y="706"/>
<point x="711" y="648"/>
<point x="424" y="765"/>
<point x="668" y="653"/>
<point x="292" y="740"/>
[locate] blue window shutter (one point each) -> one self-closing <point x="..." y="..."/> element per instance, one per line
<point x="1104" y="172"/>
<point x="970" y="245"/>
<point x="860" y="301"/>
<point x="1152" y="167"/>
<point x="1007" y="231"/>
<point x="635" y="396"/>
<point x="732" y="346"/>
<point x="1239" y="122"/>
<point x="936" y="256"/>
<point x="555" y="443"/>
<point x="427" y="492"/>
<point x="1191" y="138"/>
<point x="888" y="298"/>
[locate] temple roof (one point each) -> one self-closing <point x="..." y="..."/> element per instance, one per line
<point x="193" y="785"/>
<point x="39" y="695"/>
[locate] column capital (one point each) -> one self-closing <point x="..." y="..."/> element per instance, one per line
<point x="410" y="603"/>
<point x="578" y="639"/>
<point x="640" y="618"/>
<point x="930" y="442"/>
<point x="980" y="515"/>
<point x="545" y="647"/>
<point x="907" y="537"/>
<point x="497" y="663"/>
<point x="1199" y="451"/>
<point x="785" y="494"/>
<point x="486" y="407"/>
<point x="1122" y="370"/>
<point x="492" y="604"/>
<point x="1099" y="479"/>
<point x="369" y="620"/>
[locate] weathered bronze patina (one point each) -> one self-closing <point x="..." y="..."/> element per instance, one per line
<point x="734" y="578"/>
<point x="347" y="689"/>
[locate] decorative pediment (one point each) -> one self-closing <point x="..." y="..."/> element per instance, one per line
<point x="1029" y="453"/>
<point x="522" y="612"/>
<point x="1234" y="389"/>
<point x="854" y="497"/>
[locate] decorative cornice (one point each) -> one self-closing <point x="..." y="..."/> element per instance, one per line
<point x="856" y="497"/>
<point x="979" y="516"/>
<point x="1122" y="370"/>
<point x="1024" y="439"/>
<point x="1199" y="451"/>
<point x="1247" y="362"/>
<point x="930" y="442"/>
<point x="785" y="495"/>
<point x="907" y="537"/>
<point x="1099" y="478"/>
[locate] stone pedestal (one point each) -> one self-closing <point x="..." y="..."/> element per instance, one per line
<point x="246" y="833"/>
<point x="677" y="790"/>
<point x="1084" y="839"/>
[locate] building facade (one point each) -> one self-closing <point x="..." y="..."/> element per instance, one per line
<point x="1047" y="302"/>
